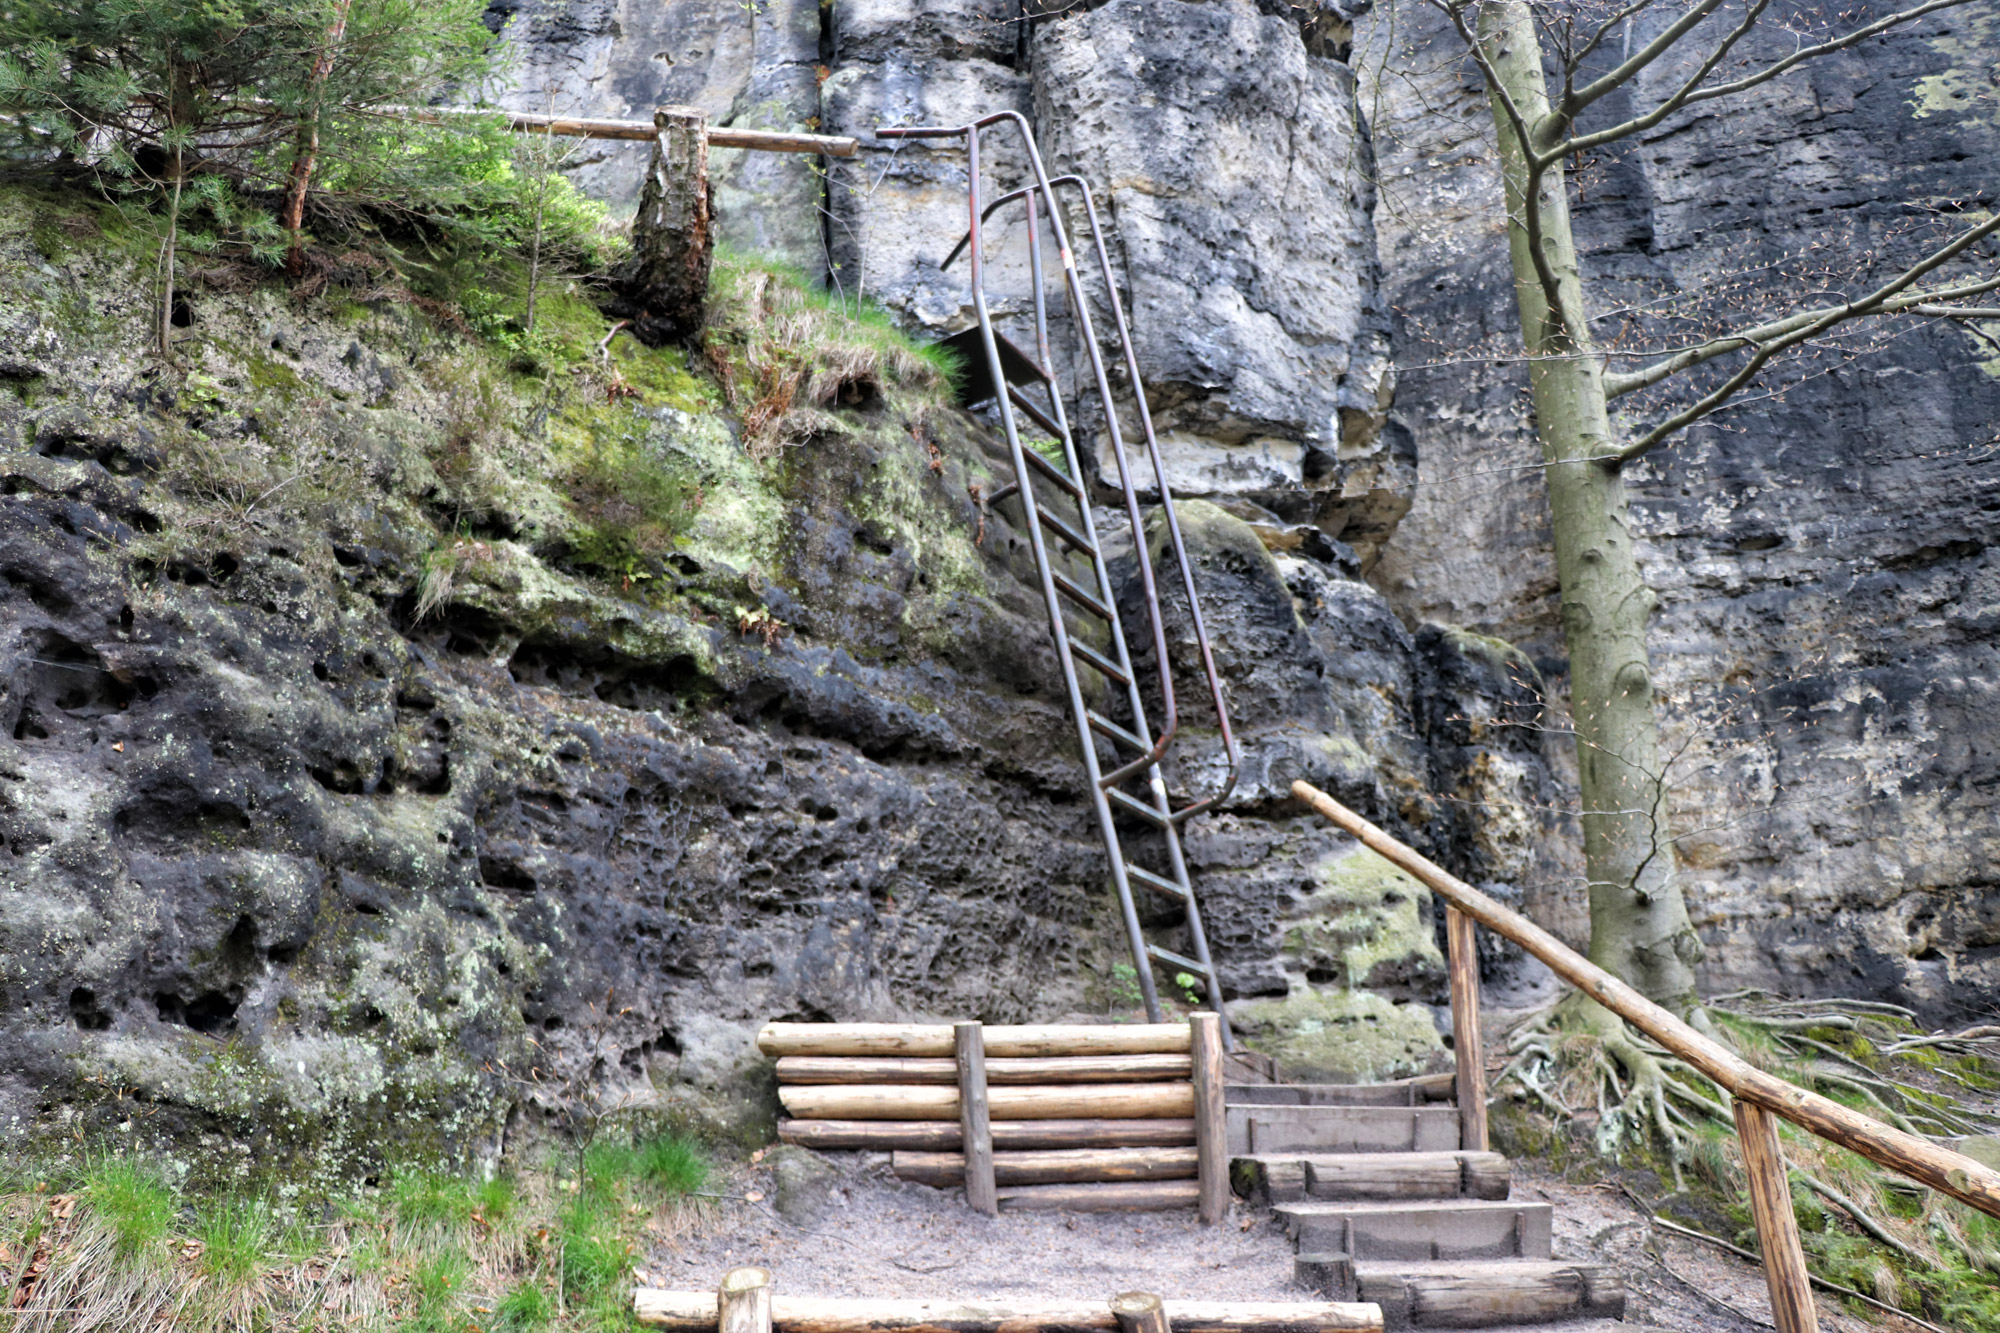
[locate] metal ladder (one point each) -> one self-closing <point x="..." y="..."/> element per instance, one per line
<point x="1010" y="376"/>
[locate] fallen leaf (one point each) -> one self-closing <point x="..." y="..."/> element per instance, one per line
<point x="755" y="1196"/>
<point x="120" y="747"/>
<point x="758" y="1156"/>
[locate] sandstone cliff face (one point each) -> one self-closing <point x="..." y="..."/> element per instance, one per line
<point x="1825" y="642"/>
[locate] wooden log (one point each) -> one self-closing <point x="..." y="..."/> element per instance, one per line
<point x="1056" y="1166"/>
<point x="639" y="131"/>
<point x="999" y="1071"/>
<point x="695" y="1312"/>
<point x="673" y="240"/>
<point x="1139" y="1312"/>
<point x="942" y="1135"/>
<point x="1952" y="1173"/>
<point x="1468" y="1050"/>
<point x="1125" y="1101"/>
<point x="1002" y="1041"/>
<point x="1211" y="1134"/>
<point x="744" y="1301"/>
<point x="974" y="1125"/>
<point x="1792" y="1309"/>
<point x="1124" y="1196"/>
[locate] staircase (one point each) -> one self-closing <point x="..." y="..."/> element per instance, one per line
<point x="1385" y="1206"/>
<point x="1122" y="753"/>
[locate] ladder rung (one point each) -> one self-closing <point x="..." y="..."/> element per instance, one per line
<point x="1052" y="472"/>
<point x="1188" y="965"/>
<point x="1132" y="805"/>
<point x="1157" y="883"/>
<point x="1098" y="662"/>
<point x="1041" y="418"/>
<point x="1088" y="601"/>
<point x="1076" y="540"/>
<point x="1110" y="730"/>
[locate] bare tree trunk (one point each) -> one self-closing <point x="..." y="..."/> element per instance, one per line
<point x="306" y="154"/>
<point x="168" y="246"/>
<point x="1639" y="927"/>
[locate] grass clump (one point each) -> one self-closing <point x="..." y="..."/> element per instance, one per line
<point x="549" y="1249"/>
<point x="785" y="352"/>
<point x="132" y="1202"/>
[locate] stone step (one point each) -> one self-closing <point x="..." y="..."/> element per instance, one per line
<point x="1267" y="1179"/>
<point x="1405" y="1232"/>
<point x="1483" y="1295"/>
<point x="1262" y="1129"/>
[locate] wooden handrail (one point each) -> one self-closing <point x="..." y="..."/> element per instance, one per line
<point x="1942" y="1169"/>
<point x="590" y="127"/>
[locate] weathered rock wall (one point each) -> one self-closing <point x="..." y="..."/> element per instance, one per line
<point x="1825" y="643"/>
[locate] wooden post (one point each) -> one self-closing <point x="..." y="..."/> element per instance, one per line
<point x="1467" y="1049"/>
<point x="975" y="1125"/>
<point x="1792" y="1309"/>
<point x="1211" y="1139"/>
<point x="672" y="239"/>
<point x="1139" y="1312"/>
<point x="743" y="1303"/>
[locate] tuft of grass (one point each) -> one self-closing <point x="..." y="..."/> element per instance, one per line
<point x="785" y="352"/>
<point x="235" y="1236"/>
<point x="672" y="1164"/>
<point x="431" y="1199"/>
<point x="132" y="1203"/>
<point x="525" y="1308"/>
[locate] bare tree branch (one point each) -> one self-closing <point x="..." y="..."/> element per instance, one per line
<point x="1574" y="61"/>
<point x="1617" y="385"/>
<point x="1804" y="54"/>
<point x="1646" y="55"/>
<point x="1803" y="329"/>
<point x="1531" y="209"/>
<point x="1583" y="142"/>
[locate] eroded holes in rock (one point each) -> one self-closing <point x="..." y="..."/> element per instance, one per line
<point x="612" y="677"/>
<point x="817" y="810"/>
<point x="86" y="1012"/>
<point x="191" y="576"/>
<point x="125" y="619"/>
<point x="346" y="558"/>
<point x="40" y="590"/>
<point x="181" y="315"/>
<point x="346" y="778"/>
<point x="320" y="672"/>
<point x="504" y="873"/>
<point x="211" y="1013"/>
<point x="282" y="955"/>
<point x="224" y="566"/>
<point x="238" y="950"/>
<point x="181" y="816"/>
<point x="553" y="1023"/>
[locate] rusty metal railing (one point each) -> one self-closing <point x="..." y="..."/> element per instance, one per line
<point x="1142" y="746"/>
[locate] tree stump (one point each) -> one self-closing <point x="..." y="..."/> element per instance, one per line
<point x="672" y="238"/>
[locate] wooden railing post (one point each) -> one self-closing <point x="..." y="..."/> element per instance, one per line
<point x="743" y="1302"/>
<point x="1210" y="1136"/>
<point x="1139" y="1312"/>
<point x="673" y="242"/>
<point x="1467" y="1048"/>
<point x="974" y="1122"/>
<point x="1792" y="1309"/>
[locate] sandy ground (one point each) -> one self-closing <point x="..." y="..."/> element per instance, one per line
<point x="884" y="1237"/>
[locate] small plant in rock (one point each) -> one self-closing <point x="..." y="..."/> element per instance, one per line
<point x="761" y="624"/>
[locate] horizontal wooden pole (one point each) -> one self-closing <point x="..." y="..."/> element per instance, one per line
<point x="1006" y="1041"/>
<point x="589" y="127"/>
<point x="1082" y="1101"/>
<point x="695" y="1312"/>
<point x="1122" y="1196"/>
<point x="1942" y="1169"/>
<point x="1055" y="1166"/>
<point x="999" y="1070"/>
<point x="942" y="1135"/>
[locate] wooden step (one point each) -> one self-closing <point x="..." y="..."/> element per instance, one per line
<point x="1272" y="1178"/>
<point x="1408" y="1092"/>
<point x="1482" y="1295"/>
<point x="1131" y="1196"/>
<point x="1260" y="1130"/>
<point x="1404" y="1232"/>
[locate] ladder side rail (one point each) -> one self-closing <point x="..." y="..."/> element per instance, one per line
<point x="1230" y="747"/>
<point x="1122" y="658"/>
<point x="1152" y="750"/>
<point x="1087" y="335"/>
<point x="1079" y="710"/>
<point x="1197" y="933"/>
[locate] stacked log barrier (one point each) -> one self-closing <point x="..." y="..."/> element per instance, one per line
<point x="1077" y="1116"/>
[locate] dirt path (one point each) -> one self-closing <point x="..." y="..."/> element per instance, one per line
<point x="882" y="1237"/>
